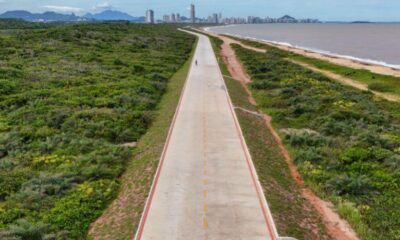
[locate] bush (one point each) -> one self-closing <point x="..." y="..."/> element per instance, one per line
<point x="75" y="212"/>
<point x="354" y="154"/>
<point x="306" y="139"/>
<point x="344" y="184"/>
<point x="11" y="181"/>
<point x="373" y="154"/>
<point x="379" y="154"/>
<point x="8" y="87"/>
<point x="33" y="194"/>
<point x="138" y="69"/>
<point x="311" y="155"/>
<point x="383" y="216"/>
<point x="10" y="215"/>
<point x="393" y="162"/>
<point x="119" y="62"/>
<point x="24" y="230"/>
<point x="380" y="87"/>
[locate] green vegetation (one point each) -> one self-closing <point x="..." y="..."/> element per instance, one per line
<point x="345" y="142"/>
<point x="7" y="24"/>
<point x="292" y="214"/>
<point x="71" y="96"/>
<point x="376" y="82"/>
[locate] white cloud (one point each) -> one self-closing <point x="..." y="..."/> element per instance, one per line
<point x="102" y="6"/>
<point x="65" y="9"/>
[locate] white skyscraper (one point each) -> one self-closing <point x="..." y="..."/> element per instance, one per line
<point x="150" y="16"/>
<point x="192" y="13"/>
<point x="215" y="18"/>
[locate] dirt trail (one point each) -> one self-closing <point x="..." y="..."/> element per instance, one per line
<point x="337" y="227"/>
<point x="235" y="68"/>
<point x="348" y="81"/>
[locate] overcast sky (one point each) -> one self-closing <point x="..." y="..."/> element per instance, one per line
<point x="341" y="10"/>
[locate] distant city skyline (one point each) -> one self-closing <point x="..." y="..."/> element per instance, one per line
<point x="338" y="10"/>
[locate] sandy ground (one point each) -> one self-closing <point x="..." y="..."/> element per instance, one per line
<point x="337" y="227"/>
<point x="343" y="61"/>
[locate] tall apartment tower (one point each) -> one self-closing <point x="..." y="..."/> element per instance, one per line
<point x="215" y="18"/>
<point x="150" y="16"/>
<point x="192" y="13"/>
<point x="173" y="17"/>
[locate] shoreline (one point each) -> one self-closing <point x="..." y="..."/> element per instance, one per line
<point x="347" y="61"/>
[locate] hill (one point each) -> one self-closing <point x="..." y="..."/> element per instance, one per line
<point x="287" y="19"/>
<point x="113" y="15"/>
<point x="42" y="17"/>
<point x="108" y="15"/>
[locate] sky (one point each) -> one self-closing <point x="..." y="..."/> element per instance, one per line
<point x="326" y="10"/>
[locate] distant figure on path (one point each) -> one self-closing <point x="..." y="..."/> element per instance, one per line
<point x="196" y="62"/>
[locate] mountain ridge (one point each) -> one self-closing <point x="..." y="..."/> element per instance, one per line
<point x="49" y="16"/>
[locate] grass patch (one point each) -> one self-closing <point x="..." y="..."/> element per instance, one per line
<point x="376" y="82"/>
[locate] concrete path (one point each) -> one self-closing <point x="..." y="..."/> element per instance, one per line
<point x="206" y="186"/>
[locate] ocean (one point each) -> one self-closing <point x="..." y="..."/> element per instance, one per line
<point x="372" y="43"/>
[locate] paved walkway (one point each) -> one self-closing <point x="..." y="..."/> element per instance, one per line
<point x="206" y="186"/>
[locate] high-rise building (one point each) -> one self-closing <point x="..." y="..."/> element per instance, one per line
<point x="173" y="17"/>
<point x="250" y="19"/>
<point x="215" y="18"/>
<point x="178" y="17"/>
<point x="166" y="18"/>
<point x="192" y="13"/>
<point x="150" y="16"/>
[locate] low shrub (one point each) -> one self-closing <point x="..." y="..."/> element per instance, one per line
<point x="344" y="184"/>
<point x="380" y="87"/>
<point x="75" y="212"/>
<point x="310" y="155"/>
